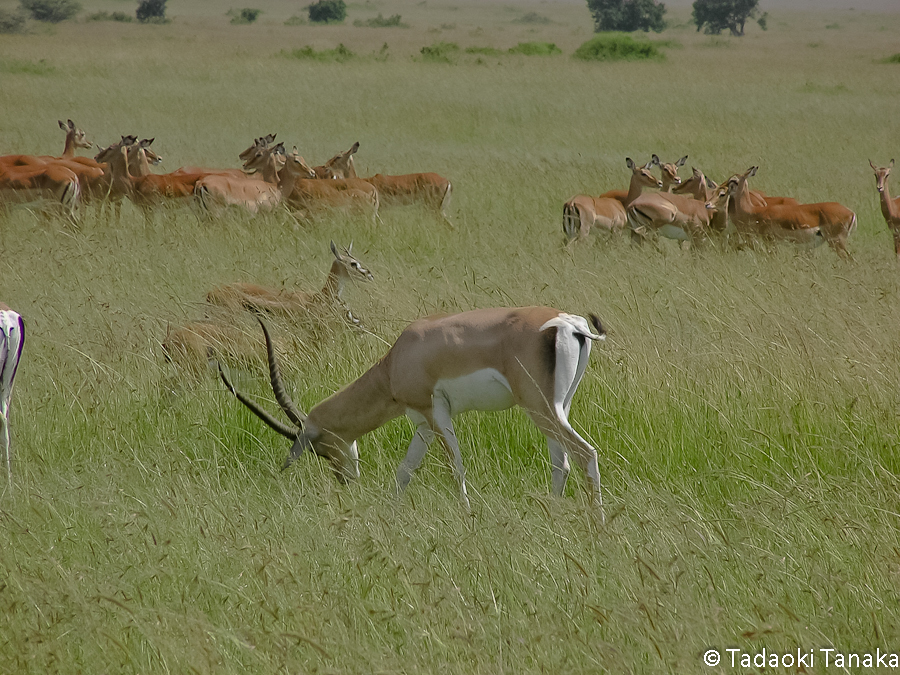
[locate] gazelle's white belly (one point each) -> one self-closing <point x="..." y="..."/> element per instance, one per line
<point x="484" y="389"/>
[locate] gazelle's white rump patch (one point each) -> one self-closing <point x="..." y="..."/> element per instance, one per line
<point x="574" y="323"/>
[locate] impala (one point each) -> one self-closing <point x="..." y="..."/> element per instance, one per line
<point x="302" y="191"/>
<point x="339" y="166"/>
<point x="246" y="155"/>
<point x="890" y="208"/>
<point x="12" y="339"/>
<point x="197" y="345"/>
<point x="801" y="223"/>
<point x="430" y="189"/>
<point x="669" y="172"/>
<point x="344" y="268"/>
<point x="254" y="194"/>
<point x="674" y="216"/>
<point x="440" y="366"/>
<point x="39" y="183"/>
<point x="75" y="138"/>
<point x="582" y="212"/>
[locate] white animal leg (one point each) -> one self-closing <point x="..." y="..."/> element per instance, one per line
<point x="559" y="466"/>
<point x="443" y="425"/>
<point x="417" y="449"/>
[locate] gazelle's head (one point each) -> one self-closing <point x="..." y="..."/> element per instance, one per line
<point x="261" y="142"/>
<point x="342" y="454"/>
<point x="347" y="267"/>
<point x="642" y="174"/>
<point x="297" y="166"/>
<point x="77" y="135"/>
<point x="340" y="166"/>
<point x="264" y="157"/>
<point x="881" y="174"/>
<point x="144" y="146"/>
<point x="669" y="171"/>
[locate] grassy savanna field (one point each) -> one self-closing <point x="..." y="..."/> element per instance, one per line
<point x="745" y="405"/>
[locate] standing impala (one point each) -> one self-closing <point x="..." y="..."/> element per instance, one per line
<point x="801" y="223"/>
<point x="890" y="208"/>
<point x="12" y="339"/>
<point x="606" y="212"/>
<point x="440" y="366"/>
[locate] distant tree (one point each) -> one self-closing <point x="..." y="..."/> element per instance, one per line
<point x="328" y="11"/>
<point x="627" y="15"/>
<point x="714" y="16"/>
<point x="51" y="11"/>
<point x="11" y="22"/>
<point x="151" y="11"/>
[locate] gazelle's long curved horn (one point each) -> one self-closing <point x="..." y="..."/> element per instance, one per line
<point x="280" y="427"/>
<point x="287" y="405"/>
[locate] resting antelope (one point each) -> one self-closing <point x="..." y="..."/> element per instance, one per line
<point x="339" y="166"/>
<point x="800" y="223"/>
<point x="246" y="155"/>
<point x="344" y="268"/>
<point x="12" y="339"/>
<point x="582" y="212"/>
<point x="890" y="208"/>
<point x="669" y="172"/>
<point x="443" y="365"/>
<point x="195" y="346"/>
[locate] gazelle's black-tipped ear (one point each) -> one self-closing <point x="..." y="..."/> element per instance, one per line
<point x="354" y="148"/>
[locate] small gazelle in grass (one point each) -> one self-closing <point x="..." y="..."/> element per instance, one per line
<point x="344" y="268"/>
<point x="890" y="208"/>
<point x="12" y="339"/>
<point x="443" y="365"/>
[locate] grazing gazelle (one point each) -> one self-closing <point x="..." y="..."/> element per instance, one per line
<point x="443" y="365"/>
<point x="12" y="339"/>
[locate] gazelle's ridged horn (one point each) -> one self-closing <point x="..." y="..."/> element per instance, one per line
<point x="280" y="427"/>
<point x="287" y="405"/>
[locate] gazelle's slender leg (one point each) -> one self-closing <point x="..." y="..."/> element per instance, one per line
<point x="443" y="425"/>
<point x="417" y="448"/>
<point x="559" y="466"/>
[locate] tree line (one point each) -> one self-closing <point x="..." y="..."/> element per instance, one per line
<point x="711" y="16"/>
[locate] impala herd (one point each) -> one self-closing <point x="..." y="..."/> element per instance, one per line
<point x="439" y="366"/>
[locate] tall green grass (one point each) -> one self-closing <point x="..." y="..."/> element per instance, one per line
<point x="744" y="405"/>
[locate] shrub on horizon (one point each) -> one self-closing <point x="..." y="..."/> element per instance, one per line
<point x="11" y="22"/>
<point x="532" y="18"/>
<point x="110" y="16"/>
<point x="380" y="22"/>
<point x="340" y="54"/>
<point x="627" y="15"/>
<point x="440" y="52"/>
<point x="535" y="49"/>
<point x="51" y="11"/>
<point x="327" y="11"/>
<point x="151" y="11"/>
<point x="617" y="47"/>
<point x="243" y="16"/>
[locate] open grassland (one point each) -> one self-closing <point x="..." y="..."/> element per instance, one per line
<point x="745" y="405"/>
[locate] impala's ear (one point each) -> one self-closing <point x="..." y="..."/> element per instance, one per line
<point x="752" y="171"/>
<point x="354" y="148"/>
<point x="891" y="165"/>
<point x="654" y="160"/>
<point x="269" y="139"/>
<point x="629" y="163"/>
<point x="350" y="248"/>
<point x="334" y="250"/>
<point x="62" y="125"/>
<point x="681" y="161"/>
